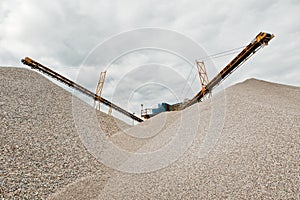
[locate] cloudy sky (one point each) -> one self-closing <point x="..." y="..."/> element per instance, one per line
<point x="148" y="47"/>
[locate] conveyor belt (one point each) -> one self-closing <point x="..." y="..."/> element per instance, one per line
<point x="260" y="40"/>
<point x="35" y="65"/>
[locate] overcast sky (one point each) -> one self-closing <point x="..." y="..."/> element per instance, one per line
<point x="81" y="38"/>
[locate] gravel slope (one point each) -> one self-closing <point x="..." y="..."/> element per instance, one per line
<point x="256" y="154"/>
<point x="40" y="149"/>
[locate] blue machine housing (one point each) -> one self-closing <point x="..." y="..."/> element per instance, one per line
<point x="161" y="107"/>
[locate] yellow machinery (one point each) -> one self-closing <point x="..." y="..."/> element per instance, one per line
<point x="35" y="65"/>
<point x="261" y="40"/>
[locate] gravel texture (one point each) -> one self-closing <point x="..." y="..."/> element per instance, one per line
<point x="40" y="149"/>
<point x="254" y="156"/>
<point x="245" y="145"/>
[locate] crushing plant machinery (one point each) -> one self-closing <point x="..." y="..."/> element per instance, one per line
<point x="261" y="40"/>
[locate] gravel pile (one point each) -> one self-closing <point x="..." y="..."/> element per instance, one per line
<point x="245" y="144"/>
<point x="40" y="150"/>
<point x="253" y="152"/>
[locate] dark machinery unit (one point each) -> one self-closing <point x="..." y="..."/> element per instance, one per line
<point x="35" y="65"/>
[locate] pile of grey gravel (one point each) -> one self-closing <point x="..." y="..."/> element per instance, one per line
<point x="251" y="133"/>
<point x="40" y="150"/>
<point x="244" y="145"/>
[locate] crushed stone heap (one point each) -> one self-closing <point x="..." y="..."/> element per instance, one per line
<point x="41" y="151"/>
<point x="255" y="153"/>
